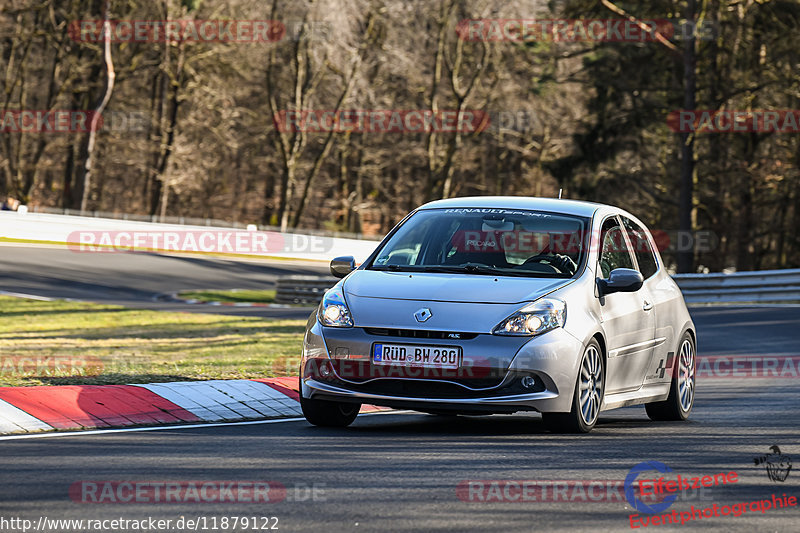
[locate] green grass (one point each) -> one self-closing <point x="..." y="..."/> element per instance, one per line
<point x="235" y="296"/>
<point x="62" y="342"/>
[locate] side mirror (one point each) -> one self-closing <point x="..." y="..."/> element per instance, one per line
<point x="621" y="280"/>
<point x="342" y="266"/>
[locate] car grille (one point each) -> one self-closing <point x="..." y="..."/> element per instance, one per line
<point x="426" y="389"/>
<point x="420" y="334"/>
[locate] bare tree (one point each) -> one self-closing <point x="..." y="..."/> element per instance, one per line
<point x="98" y="111"/>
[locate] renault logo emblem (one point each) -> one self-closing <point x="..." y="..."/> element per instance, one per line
<point x="423" y="314"/>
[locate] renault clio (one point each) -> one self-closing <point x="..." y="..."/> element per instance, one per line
<point x="502" y="304"/>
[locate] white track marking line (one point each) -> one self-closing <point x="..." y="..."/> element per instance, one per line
<point x="163" y="428"/>
<point x="27" y="296"/>
<point x="728" y="306"/>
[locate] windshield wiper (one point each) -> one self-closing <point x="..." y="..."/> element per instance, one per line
<point x="468" y="268"/>
<point x="399" y="268"/>
<point x="475" y="268"/>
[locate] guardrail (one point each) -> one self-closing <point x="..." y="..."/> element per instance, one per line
<point x="740" y="287"/>
<point x="302" y="289"/>
<point x="193" y="221"/>
<point x="67" y="230"/>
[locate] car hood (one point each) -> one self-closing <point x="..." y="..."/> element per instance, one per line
<point x="440" y="287"/>
<point x="460" y="303"/>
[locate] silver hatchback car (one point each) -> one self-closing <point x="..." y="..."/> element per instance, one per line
<point x="502" y="304"/>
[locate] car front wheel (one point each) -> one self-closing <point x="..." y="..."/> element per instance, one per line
<point x="329" y="414"/>
<point x="588" y="396"/>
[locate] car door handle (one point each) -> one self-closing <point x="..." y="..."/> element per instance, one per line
<point x="646" y="305"/>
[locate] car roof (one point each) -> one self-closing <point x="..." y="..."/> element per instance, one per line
<point x="555" y="205"/>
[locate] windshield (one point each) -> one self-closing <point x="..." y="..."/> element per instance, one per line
<point x="486" y="241"/>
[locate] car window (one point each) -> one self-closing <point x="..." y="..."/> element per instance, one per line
<point x="408" y="244"/>
<point x="641" y="248"/>
<point x="614" y="252"/>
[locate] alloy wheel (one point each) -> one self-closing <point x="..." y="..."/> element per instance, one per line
<point x="686" y="376"/>
<point x="591" y="387"/>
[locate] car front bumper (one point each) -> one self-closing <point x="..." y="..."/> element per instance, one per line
<point x="552" y="359"/>
<point x="493" y="404"/>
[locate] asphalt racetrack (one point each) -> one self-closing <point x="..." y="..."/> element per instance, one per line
<point x="143" y="279"/>
<point x="405" y="471"/>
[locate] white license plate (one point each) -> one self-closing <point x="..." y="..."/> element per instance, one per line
<point x="416" y="355"/>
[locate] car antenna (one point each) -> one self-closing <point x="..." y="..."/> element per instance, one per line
<point x="559" y="193"/>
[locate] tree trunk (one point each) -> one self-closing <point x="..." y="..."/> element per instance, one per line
<point x="98" y="112"/>
<point x="166" y="152"/>
<point x="686" y="199"/>
<point x="155" y="133"/>
<point x="287" y="191"/>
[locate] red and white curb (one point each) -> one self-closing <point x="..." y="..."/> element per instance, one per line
<point x="75" y="407"/>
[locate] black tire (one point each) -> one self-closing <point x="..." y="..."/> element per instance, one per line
<point x="675" y="406"/>
<point x="575" y="421"/>
<point x="325" y="413"/>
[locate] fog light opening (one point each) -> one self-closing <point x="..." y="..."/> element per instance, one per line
<point x="528" y="382"/>
<point x="325" y="370"/>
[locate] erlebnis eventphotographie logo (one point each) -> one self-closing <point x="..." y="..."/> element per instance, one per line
<point x="778" y="465"/>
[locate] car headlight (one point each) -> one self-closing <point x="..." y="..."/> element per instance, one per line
<point x="534" y="319"/>
<point x="333" y="310"/>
